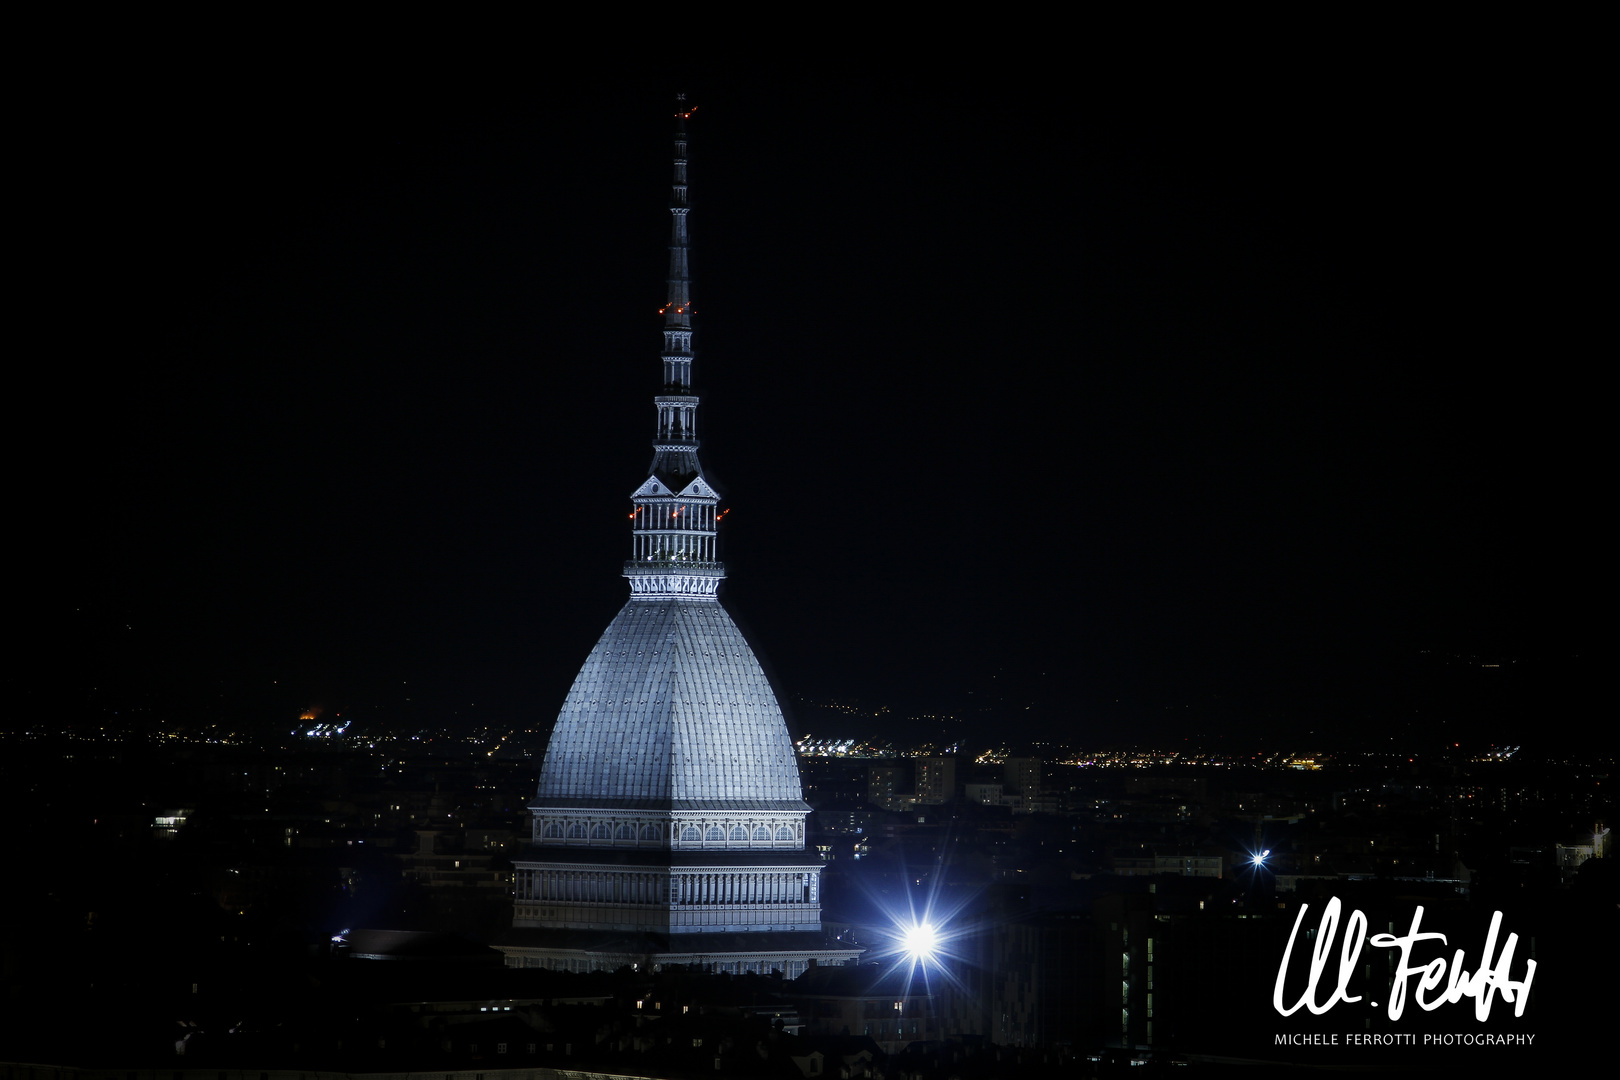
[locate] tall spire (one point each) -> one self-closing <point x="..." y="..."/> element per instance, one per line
<point x="676" y="511"/>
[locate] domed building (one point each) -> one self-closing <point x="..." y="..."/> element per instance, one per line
<point x="669" y="824"/>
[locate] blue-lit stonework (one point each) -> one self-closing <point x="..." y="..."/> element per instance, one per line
<point x="669" y="823"/>
<point x="672" y="711"/>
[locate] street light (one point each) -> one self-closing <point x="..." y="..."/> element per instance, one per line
<point x="919" y="941"/>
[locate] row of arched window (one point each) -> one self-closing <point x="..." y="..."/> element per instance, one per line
<point x="714" y="832"/>
<point x="630" y="832"/>
<point x="602" y="830"/>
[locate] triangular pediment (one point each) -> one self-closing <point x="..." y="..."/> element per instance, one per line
<point x="697" y="489"/>
<point x="653" y="486"/>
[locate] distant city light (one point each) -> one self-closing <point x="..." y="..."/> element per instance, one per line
<point x="810" y="746"/>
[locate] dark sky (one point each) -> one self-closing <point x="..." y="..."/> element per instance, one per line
<point x="1177" y="405"/>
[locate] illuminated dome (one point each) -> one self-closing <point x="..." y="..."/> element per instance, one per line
<point x="671" y="711"/>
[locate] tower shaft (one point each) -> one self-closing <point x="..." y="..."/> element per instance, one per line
<point x="676" y="511"/>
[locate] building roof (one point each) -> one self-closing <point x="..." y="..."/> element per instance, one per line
<point x="887" y="981"/>
<point x="416" y="945"/>
<point x="671" y="707"/>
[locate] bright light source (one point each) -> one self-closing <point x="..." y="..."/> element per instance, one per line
<point x="919" y="940"/>
<point x="1259" y="858"/>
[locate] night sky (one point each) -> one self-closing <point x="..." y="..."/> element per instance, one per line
<point x="1153" y="408"/>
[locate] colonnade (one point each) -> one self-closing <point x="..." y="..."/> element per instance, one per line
<point x="748" y="888"/>
<point x="683" y="888"/>
<point x="671" y="530"/>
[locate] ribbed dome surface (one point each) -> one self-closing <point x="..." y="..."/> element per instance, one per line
<point x="671" y="709"/>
